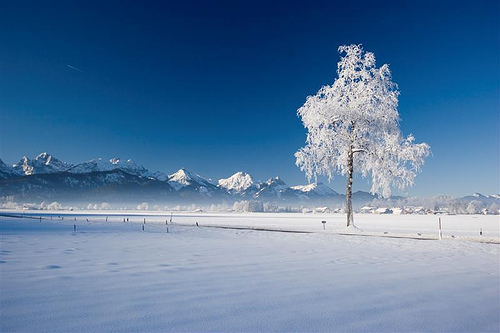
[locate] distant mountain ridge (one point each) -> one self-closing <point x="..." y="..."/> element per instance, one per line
<point x="48" y="178"/>
<point x="99" y="164"/>
<point x="43" y="163"/>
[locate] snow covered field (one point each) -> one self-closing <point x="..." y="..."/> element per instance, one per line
<point x="112" y="276"/>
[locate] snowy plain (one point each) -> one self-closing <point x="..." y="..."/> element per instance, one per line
<point x="113" y="276"/>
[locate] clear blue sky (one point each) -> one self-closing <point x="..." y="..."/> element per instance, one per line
<point x="214" y="86"/>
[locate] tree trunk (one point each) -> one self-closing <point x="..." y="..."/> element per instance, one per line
<point x="348" y="191"/>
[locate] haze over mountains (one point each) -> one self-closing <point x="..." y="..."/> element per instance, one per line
<point x="47" y="178"/>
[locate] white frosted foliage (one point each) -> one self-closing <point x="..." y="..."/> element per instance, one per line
<point x="358" y="115"/>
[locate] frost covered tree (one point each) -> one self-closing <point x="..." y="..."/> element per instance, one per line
<point x="475" y="207"/>
<point x="353" y="127"/>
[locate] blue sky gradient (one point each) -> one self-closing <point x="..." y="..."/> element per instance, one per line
<point x="214" y="86"/>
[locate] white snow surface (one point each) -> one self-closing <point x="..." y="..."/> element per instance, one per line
<point x="238" y="183"/>
<point x="112" y="276"/>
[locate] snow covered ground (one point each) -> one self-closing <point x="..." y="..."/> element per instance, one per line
<point x="112" y="276"/>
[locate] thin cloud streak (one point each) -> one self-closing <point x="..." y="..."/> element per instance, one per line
<point x="76" y="69"/>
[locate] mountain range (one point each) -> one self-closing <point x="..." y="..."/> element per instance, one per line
<point x="48" y="178"/>
<point x="45" y="177"/>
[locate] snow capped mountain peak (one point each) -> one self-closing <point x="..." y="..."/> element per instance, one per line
<point x="47" y="159"/>
<point x="304" y="188"/>
<point x="275" y="181"/>
<point x="43" y="163"/>
<point x="93" y="165"/>
<point x="273" y="187"/>
<point x="180" y="175"/>
<point x="114" y="161"/>
<point x="183" y="178"/>
<point x="238" y="183"/>
<point x="43" y="156"/>
<point x="24" y="166"/>
<point x="318" y="188"/>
